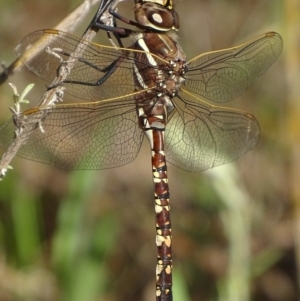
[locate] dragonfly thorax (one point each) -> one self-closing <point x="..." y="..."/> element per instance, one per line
<point x="160" y="44"/>
<point x="165" y="74"/>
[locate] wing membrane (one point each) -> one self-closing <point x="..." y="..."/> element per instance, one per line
<point x="199" y="136"/>
<point x="223" y="75"/>
<point x="105" y="133"/>
<point x="95" y="135"/>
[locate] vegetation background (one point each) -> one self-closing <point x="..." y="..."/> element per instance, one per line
<point x="85" y="236"/>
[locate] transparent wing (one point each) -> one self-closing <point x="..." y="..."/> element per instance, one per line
<point x="199" y="136"/>
<point x="100" y="72"/>
<point x="95" y="135"/>
<point x="223" y="75"/>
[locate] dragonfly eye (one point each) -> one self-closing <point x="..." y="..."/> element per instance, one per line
<point x="156" y="16"/>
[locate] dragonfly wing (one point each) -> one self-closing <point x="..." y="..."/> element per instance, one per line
<point x="223" y="75"/>
<point x="199" y="136"/>
<point x="99" y="72"/>
<point x="95" y="135"/>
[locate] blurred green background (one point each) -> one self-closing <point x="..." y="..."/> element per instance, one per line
<point x="86" y="236"/>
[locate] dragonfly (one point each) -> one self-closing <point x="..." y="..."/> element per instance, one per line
<point x="148" y="89"/>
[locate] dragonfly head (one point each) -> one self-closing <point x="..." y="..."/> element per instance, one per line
<point x="159" y="15"/>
